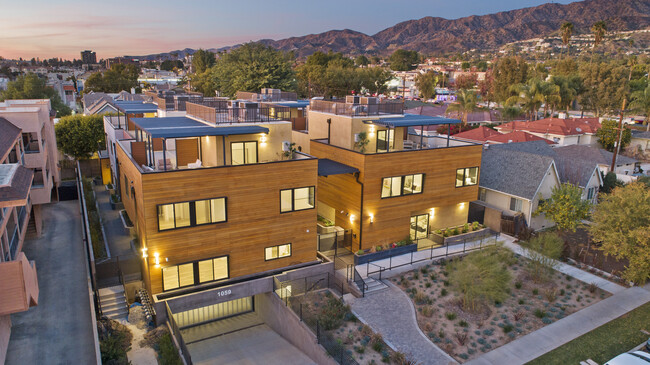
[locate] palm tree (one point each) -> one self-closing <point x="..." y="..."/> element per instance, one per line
<point x="550" y="94"/>
<point x="529" y="96"/>
<point x="465" y="104"/>
<point x="566" y="30"/>
<point x="599" y="29"/>
<point x="641" y="102"/>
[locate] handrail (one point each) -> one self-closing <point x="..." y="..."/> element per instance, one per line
<point x="177" y="334"/>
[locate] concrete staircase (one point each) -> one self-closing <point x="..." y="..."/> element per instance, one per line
<point x="113" y="302"/>
<point x="374" y="285"/>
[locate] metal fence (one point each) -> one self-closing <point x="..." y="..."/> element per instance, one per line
<point x="176" y="332"/>
<point x="343" y="108"/>
<point x="374" y="268"/>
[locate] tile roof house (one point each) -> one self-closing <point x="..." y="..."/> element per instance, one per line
<point x="479" y="117"/>
<point x="564" y="132"/>
<point x="640" y="142"/>
<point x="488" y="135"/>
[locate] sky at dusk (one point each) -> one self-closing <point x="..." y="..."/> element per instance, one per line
<point x="63" y="28"/>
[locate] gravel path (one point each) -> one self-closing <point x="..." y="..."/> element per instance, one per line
<point x="391" y="313"/>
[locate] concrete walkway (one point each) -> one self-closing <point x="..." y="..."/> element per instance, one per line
<point x="567" y="269"/>
<point x="538" y="343"/>
<point x="391" y="313"/>
<point x="119" y="241"/>
<point x="59" y="330"/>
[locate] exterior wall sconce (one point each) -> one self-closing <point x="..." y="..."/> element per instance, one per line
<point x="263" y="138"/>
<point x="433" y="212"/>
<point x="144" y="253"/>
<point x="462" y="205"/>
<point x="351" y="218"/>
<point x="372" y="218"/>
<point x="156" y="259"/>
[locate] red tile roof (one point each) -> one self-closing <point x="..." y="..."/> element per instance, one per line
<point x="480" y="134"/>
<point x="68" y="87"/>
<point x="564" y="127"/>
<point x="517" y="136"/>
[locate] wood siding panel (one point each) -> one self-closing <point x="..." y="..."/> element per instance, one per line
<point x="343" y="193"/>
<point x="139" y="153"/>
<point x="187" y="151"/>
<point x="254" y="219"/>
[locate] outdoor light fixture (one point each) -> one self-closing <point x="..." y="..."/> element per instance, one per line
<point x="372" y="218"/>
<point x="433" y="211"/>
<point x="263" y="138"/>
<point x="351" y="217"/>
<point x="462" y="205"/>
<point x="144" y="253"/>
<point x="156" y="259"/>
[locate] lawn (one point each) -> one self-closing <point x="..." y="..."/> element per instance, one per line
<point x="528" y="306"/>
<point x="603" y="343"/>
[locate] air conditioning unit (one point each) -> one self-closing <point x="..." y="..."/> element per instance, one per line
<point x="233" y="103"/>
<point x="351" y="99"/>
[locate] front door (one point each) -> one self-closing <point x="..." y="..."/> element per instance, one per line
<point x="419" y="226"/>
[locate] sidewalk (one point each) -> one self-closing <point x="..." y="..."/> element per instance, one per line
<point x="545" y="339"/>
<point x="119" y="241"/>
<point x="573" y="271"/>
<point x="391" y="313"/>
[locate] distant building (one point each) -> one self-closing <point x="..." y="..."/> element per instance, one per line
<point x="88" y="57"/>
<point x="124" y="60"/>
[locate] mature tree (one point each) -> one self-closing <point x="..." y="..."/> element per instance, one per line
<point x="622" y="226"/>
<point x="170" y="65"/>
<point x="251" y="67"/>
<point x="361" y="61"/>
<point x="566" y="31"/>
<point x="565" y="207"/>
<point x="119" y="77"/>
<point x="464" y="105"/>
<point x="641" y="103"/>
<point x="465" y="66"/>
<point x="486" y="88"/>
<point x="610" y="182"/>
<point x="482" y="66"/>
<point x="31" y="86"/>
<point x="604" y="84"/>
<point x="466" y="81"/>
<point x="608" y="135"/>
<point x="375" y="79"/>
<point x="426" y="84"/>
<point x="375" y="60"/>
<point x="404" y="60"/>
<point x="509" y="71"/>
<point x="528" y="96"/>
<point x="202" y="60"/>
<point x="550" y="94"/>
<point x="544" y="251"/>
<point x="565" y="67"/>
<point x="510" y="112"/>
<point x="599" y="29"/>
<point x="481" y="277"/>
<point x="332" y="74"/>
<point x="80" y="136"/>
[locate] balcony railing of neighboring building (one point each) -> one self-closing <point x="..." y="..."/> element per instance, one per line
<point x="217" y="112"/>
<point x="38" y="181"/>
<point x="365" y="107"/>
<point x="270" y="96"/>
<point x="32" y="147"/>
<point x="13" y="243"/>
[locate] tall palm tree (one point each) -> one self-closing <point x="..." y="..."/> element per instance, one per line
<point x="550" y="94"/>
<point x="566" y="30"/>
<point x="599" y="29"/>
<point x="529" y="96"/>
<point x="465" y="104"/>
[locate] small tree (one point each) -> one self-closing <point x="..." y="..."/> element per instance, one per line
<point x="610" y="182"/>
<point x="543" y="251"/>
<point x="565" y="207"/>
<point x="608" y="135"/>
<point x="481" y="276"/>
<point x="622" y="226"/>
<point x="426" y="84"/>
<point x="80" y="136"/>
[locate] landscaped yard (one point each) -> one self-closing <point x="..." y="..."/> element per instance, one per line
<point x="465" y="326"/>
<point x="335" y="318"/>
<point x="603" y="343"/>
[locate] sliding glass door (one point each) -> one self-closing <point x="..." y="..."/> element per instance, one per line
<point x="419" y="226"/>
<point x="385" y="140"/>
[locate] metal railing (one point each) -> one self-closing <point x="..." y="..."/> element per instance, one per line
<point x="343" y="108"/>
<point x="373" y="268"/>
<point x="215" y="111"/>
<point x="175" y="331"/>
<point x="278" y="96"/>
<point x="333" y="347"/>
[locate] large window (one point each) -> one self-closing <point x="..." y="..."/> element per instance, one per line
<point x="402" y="185"/>
<point x="191" y="273"/>
<point x="277" y="252"/>
<point x="385" y="140"/>
<point x="243" y="153"/>
<point x="467" y="176"/>
<point x="190" y="214"/>
<point x="516" y="204"/>
<point x="297" y="199"/>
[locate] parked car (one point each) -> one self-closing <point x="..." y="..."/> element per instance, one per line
<point x="647" y="345"/>
<point x="631" y="358"/>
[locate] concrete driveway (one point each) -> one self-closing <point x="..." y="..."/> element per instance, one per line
<point x="258" y="345"/>
<point x="59" y="329"/>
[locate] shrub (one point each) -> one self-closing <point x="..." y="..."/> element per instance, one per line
<point x="518" y="285"/>
<point x="399" y="358"/>
<point x="592" y="287"/>
<point x="463" y="323"/>
<point x="450" y="316"/>
<point x="167" y="353"/>
<point x="360" y="252"/>
<point x="543" y="252"/>
<point x="550" y="294"/>
<point x="420" y="298"/>
<point x="333" y="313"/>
<point x="360" y="349"/>
<point x="441" y="333"/>
<point x="535" y="291"/>
<point x="446" y="233"/>
<point x="432" y="276"/>
<point x="114" y="342"/>
<point x="461" y="337"/>
<point x="475" y="226"/>
<point x="427" y="311"/>
<point x="521" y="301"/>
<point x="424" y="270"/>
<point x="518" y="315"/>
<point x="539" y="313"/>
<point x="416" y="276"/>
<point x="377" y="346"/>
<point x="443" y="292"/>
<point x="379" y="248"/>
<point x="427" y="284"/>
<point x="465" y="228"/>
<point x="508" y="328"/>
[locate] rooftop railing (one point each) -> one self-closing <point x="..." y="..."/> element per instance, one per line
<point x="273" y="97"/>
<point x="350" y="109"/>
<point x="218" y="112"/>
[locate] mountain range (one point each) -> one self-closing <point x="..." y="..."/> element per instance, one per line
<point x="431" y="35"/>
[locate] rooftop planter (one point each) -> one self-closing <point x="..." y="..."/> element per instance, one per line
<point x="382" y="252"/>
<point x="324" y="226"/>
<point x="116" y="203"/>
<point x="460" y="234"/>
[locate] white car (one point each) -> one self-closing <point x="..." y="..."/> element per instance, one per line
<point x="631" y="358"/>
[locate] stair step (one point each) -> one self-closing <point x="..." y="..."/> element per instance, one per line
<point x="111" y="306"/>
<point x="117" y="297"/>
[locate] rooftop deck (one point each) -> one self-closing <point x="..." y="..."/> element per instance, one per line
<point x="357" y="107"/>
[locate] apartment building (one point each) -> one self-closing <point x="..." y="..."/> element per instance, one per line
<point x="35" y="119"/>
<point x="18" y="283"/>
<point x="383" y="183"/>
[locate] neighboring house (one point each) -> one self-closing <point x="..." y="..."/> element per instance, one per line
<point x="603" y="158"/>
<point x="35" y="119"/>
<point x="513" y="182"/>
<point x="564" y="132"/>
<point x="393" y="188"/>
<point x="640" y="143"/>
<point x="488" y="135"/>
<point x="92" y="99"/>
<point x="18" y="280"/>
<point x="478" y="117"/>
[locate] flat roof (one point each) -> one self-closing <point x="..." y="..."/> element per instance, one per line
<point x="134" y="107"/>
<point x="327" y="167"/>
<point x="180" y="127"/>
<point x="292" y="104"/>
<point x="413" y="120"/>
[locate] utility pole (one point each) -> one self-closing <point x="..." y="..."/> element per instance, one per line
<point x="617" y="144"/>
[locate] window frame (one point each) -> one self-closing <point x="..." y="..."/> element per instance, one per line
<point x="192" y="214"/>
<point x="257" y="153"/>
<point x="517" y="201"/>
<point x="402" y="181"/>
<point x="465" y="176"/>
<point x="389" y="133"/>
<point x="195" y="268"/>
<point x="278" y="248"/>
<point x="293" y="201"/>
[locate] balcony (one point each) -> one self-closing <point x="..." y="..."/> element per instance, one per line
<point x="19" y="285"/>
<point x="357" y="109"/>
<point x="32" y="147"/>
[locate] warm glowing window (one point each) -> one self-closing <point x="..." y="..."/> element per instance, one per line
<point x="183" y="275"/>
<point x="297" y="199"/>
<point x="277" y="252"/>
<point x="190" y="214"/>
<point x="467" y="176"/>
<point x="401" y="185"/>
<point x="243" y="153"/>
